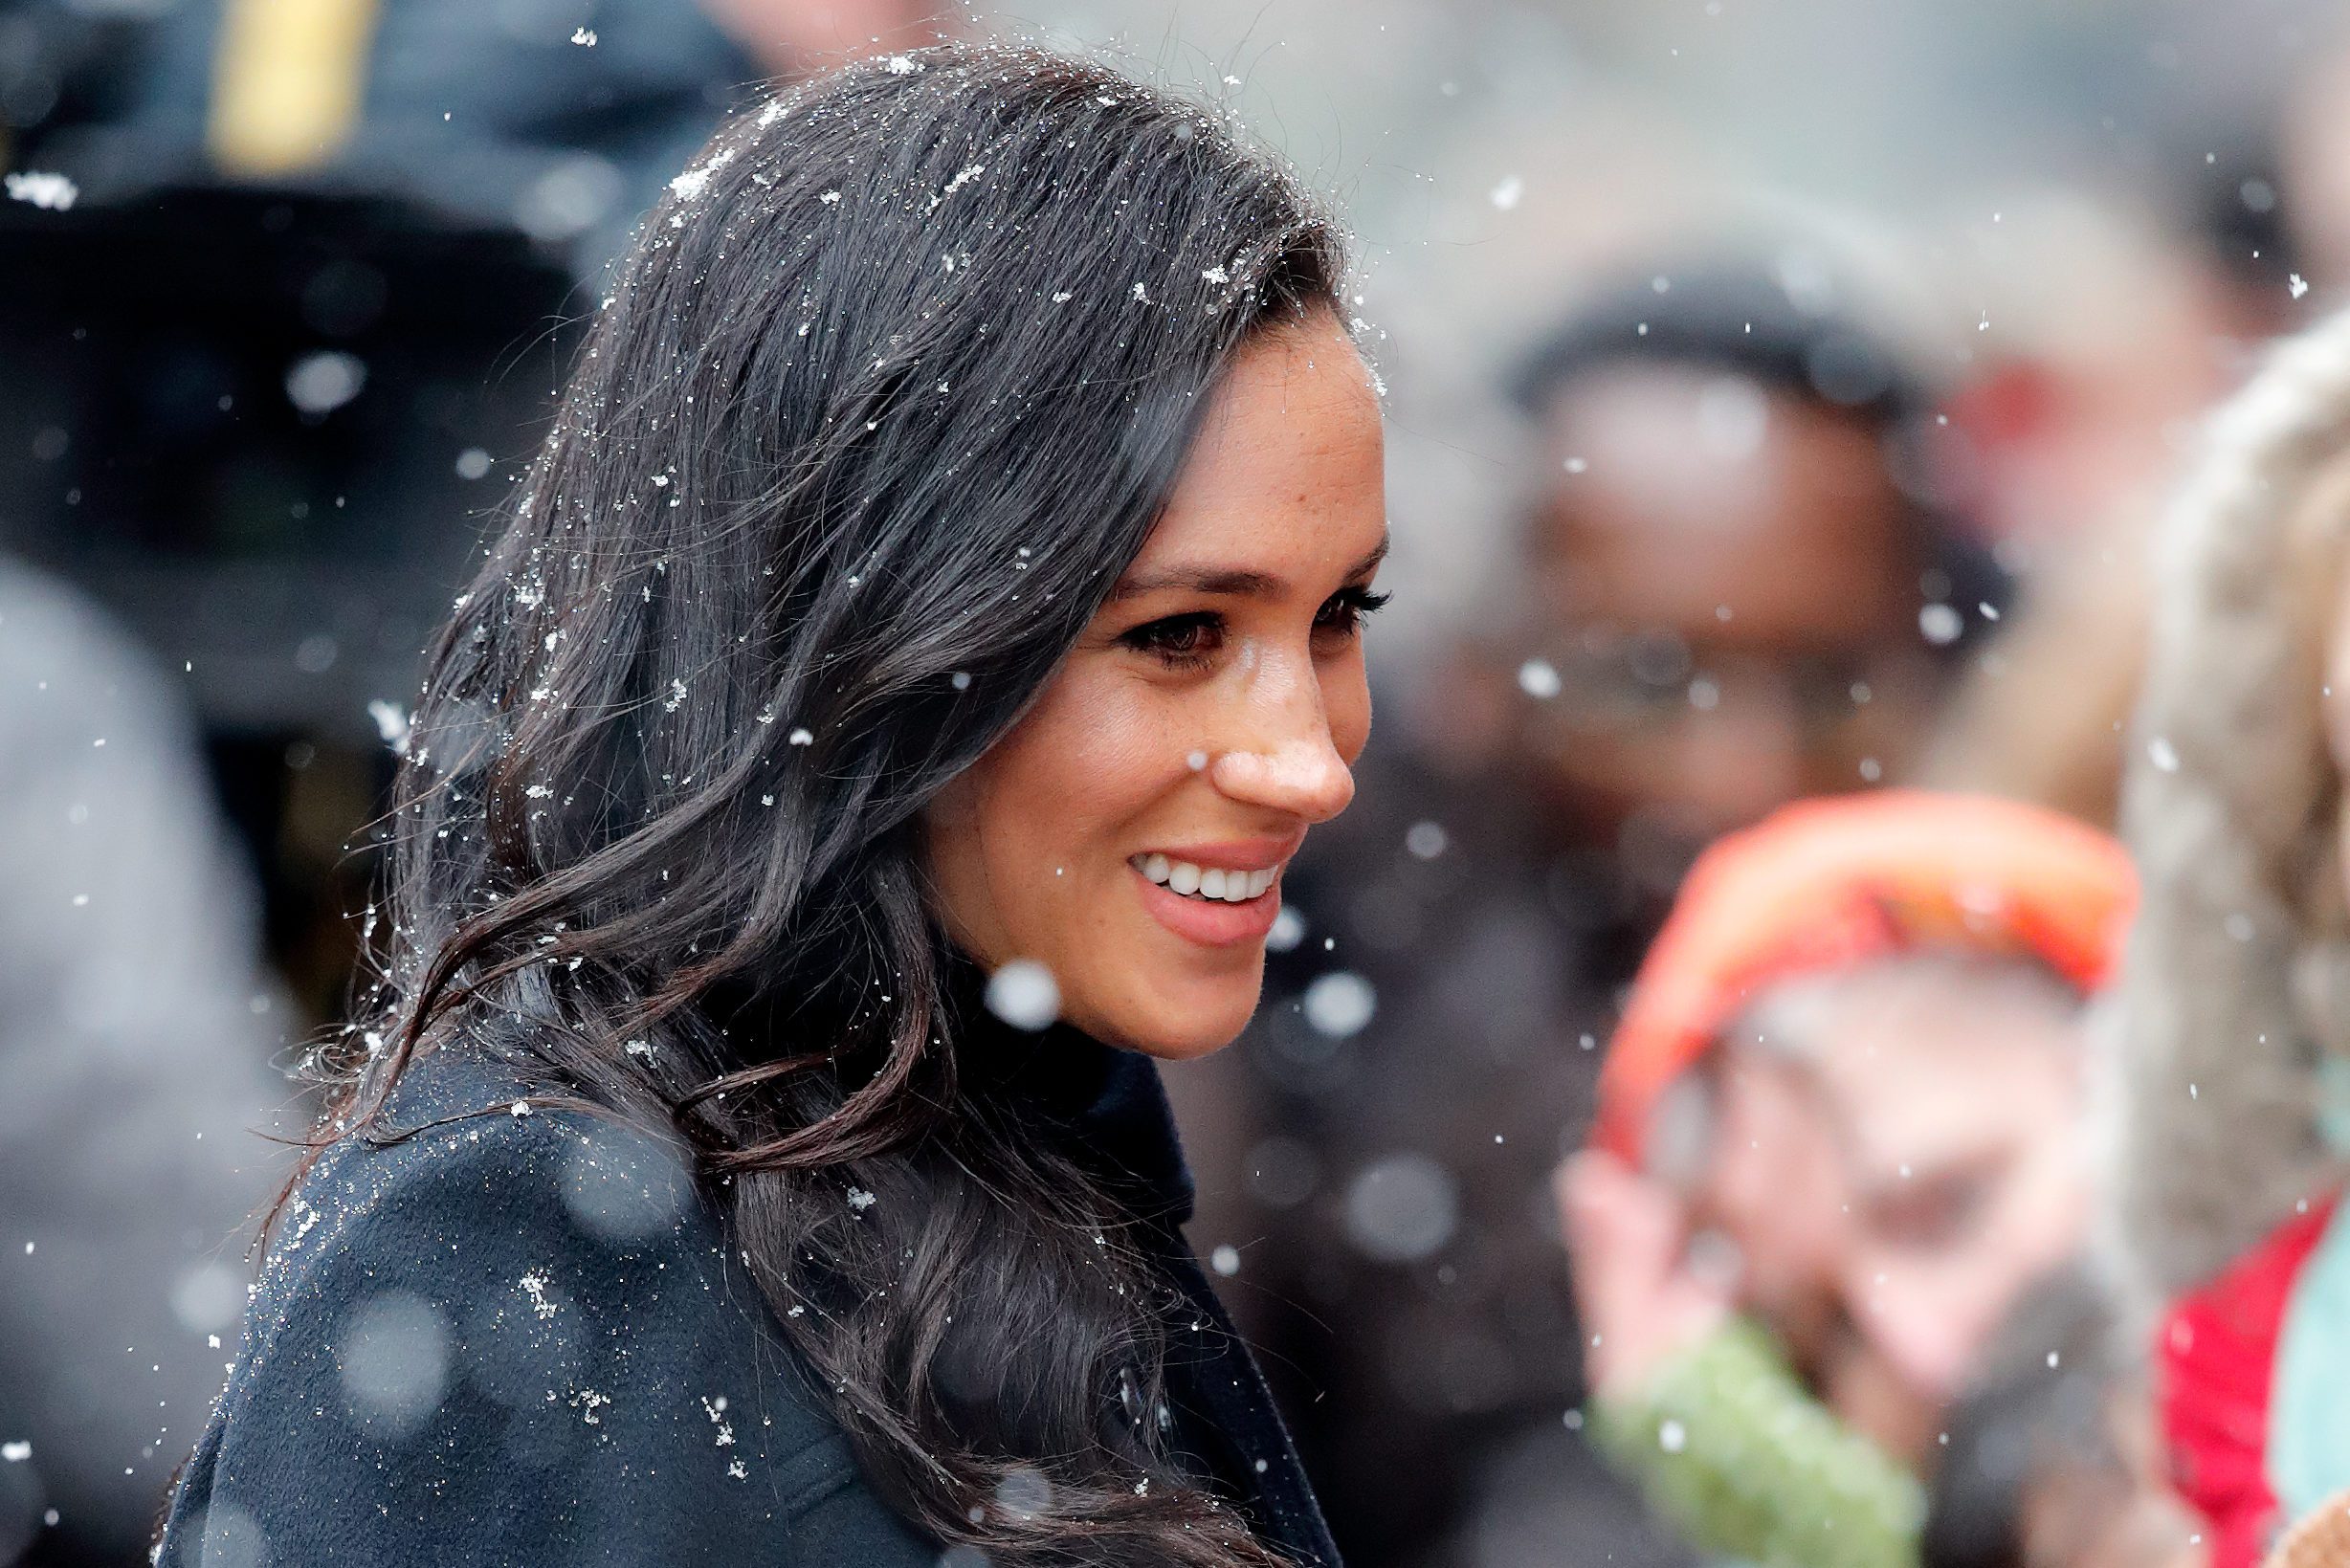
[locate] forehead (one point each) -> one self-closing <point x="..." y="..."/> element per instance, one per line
<point x="1921" y="1056"/>
<point x="1288" y="464"/>
<point x="1676" y="488"/>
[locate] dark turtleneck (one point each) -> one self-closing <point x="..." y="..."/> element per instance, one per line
<point x="1112" y="1109"/>
<point x="521" y="1338"/>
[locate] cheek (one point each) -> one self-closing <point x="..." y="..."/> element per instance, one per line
<point x="1047" y="802"/>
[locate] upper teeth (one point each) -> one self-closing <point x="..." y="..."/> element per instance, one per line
<point x="1184" y="878"/>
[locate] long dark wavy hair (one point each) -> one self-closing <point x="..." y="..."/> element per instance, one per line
<point x="891" y="389"/>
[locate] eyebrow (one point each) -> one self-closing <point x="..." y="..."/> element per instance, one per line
<point x="1231" y="582"/>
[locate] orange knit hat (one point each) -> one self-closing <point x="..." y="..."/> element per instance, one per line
<point x="1829" y="884"/>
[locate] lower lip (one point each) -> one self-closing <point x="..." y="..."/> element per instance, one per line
<point x="1211" y="923"/>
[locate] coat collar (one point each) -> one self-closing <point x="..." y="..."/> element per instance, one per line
<point x="1108" y="1103"/>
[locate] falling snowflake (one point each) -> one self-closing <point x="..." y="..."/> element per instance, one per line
<point x="1506" y="195"/>
<point x="54" y="193"/>
<point x="391" y="723"/>
<point x="1339" y="1003"/>
<point x="801" y="738"/>
<point x="318" y="384"/>
<point x="1024" y="994"/>
<point x="584" y="38"/>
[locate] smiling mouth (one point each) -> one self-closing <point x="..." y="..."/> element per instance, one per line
<point x="1211" y="885"/>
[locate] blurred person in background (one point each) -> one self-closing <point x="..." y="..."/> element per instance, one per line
<point x="1729" y="588"/>
<point x="2228" y="1114"/>
<point x="2313" y="162"/>
<point x="1839" y="1134"/>
<point x="1742" y="585"/>
<point x="561" y="118"/>
<point x="135" y="1029"/>
<point x="2107" y="334"/>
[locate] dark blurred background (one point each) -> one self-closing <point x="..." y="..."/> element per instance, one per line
<point x="1931" y="291"/>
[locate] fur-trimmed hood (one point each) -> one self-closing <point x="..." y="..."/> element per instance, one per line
<point x="2234" y="988"/>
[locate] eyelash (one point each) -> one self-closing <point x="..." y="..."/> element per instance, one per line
<point x="1170" y="638"/>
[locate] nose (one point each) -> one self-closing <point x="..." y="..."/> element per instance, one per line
<point x="1743" y="760"/>
<point x="1303" y="776"/>
<point x="1924" y="1338"/>
<point x="1283" y="756"/>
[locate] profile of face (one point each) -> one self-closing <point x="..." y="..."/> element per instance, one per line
<point x="1949" y="1095"/>
<point x="1728" y="590"/>
<point x="1130" y="832"/>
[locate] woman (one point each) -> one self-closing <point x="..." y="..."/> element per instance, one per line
<point x="947" y="564"/>
<point x="1837" y="1138"/>
<point x="2231" y="1140"/>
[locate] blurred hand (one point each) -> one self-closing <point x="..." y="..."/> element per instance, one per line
<point x="1640" y="1300"/>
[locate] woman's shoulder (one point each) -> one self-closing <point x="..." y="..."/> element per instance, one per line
<point x="465" y="1156"/>
<point x="515" y="1333"/>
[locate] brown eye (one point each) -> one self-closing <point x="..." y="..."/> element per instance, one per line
<point x="1342" y="612"/>
<point x="1179" y="640"/>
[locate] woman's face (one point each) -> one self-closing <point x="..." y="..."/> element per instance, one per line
<point x="1129" y="834"/>
<point x="1950" y="1095"/>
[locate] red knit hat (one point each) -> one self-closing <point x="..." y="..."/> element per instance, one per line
<point x="1829" y="884"/>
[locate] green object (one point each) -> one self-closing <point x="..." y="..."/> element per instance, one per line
<point x="1725" y="1442"/>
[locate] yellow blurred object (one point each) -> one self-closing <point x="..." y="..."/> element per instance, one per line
<point x="287" y="81"/>
<point x="2319" y="1538"/>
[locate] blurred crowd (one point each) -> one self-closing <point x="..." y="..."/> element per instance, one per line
<point x="1822" y="1041"/>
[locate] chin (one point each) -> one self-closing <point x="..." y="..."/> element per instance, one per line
<point x="1181" y="1021"/>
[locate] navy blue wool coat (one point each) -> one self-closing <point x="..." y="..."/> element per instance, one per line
<point x="519" y="1338"/>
